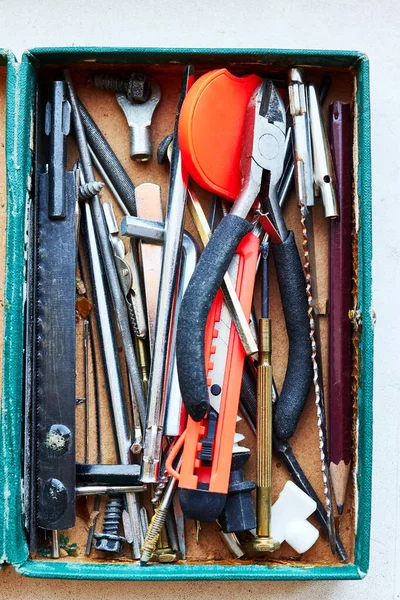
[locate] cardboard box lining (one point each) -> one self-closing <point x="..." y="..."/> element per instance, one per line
<point x="108" y="116"/>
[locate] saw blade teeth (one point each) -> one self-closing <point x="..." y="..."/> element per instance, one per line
<point x="239" y="437"/>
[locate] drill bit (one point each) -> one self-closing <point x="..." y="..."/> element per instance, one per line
<point x="307" y="229"/>
<point x="305" y="195"/>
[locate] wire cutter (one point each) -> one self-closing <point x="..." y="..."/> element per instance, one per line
<point x="261" y="166"/>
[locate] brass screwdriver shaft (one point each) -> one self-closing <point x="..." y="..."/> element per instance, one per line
<point x="264" y="542"/>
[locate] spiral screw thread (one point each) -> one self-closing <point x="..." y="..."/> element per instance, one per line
<point x="109" y="540"/>
<point x="318" y="399"/>
<point x="160" y="487"/>
<point x="152" y="535"/>
<point x="90" y="189"/>
<point x="111" y="83"/>
<point x="113" y="515"/>
<point x="137" y="87"/>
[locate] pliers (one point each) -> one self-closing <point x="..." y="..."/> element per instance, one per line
<point x="262" y="159"/>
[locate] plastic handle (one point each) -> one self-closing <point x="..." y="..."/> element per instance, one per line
<point x="196" y="304"/>
<point x="299" y="372"/>
<point x="173" y="453"/>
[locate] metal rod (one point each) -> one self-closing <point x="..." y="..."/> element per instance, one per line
<point x="173" y="408"/>
<point x="107" y="181"/>
<point x="86" y="358"/>
<point x="55" y="547"/>
<point x="264" y="280"/>
<point x="169" y="272"/>
<point x="93" y="490"/>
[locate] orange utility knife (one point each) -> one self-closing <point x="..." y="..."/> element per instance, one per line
<point x="208" y="444"/>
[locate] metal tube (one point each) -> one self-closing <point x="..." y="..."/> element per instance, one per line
<point x="303" y="157"/>
<point x="324" y="174"/>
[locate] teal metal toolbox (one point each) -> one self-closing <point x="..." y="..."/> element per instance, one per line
<point x="18" y="81"/>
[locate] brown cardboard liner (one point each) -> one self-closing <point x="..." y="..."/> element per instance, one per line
<point x="107" y="114"/>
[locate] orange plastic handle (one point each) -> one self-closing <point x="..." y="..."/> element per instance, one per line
<point x="210" y="130"/>
<point x="192" y="471"/>
<point x="173" y="454"/>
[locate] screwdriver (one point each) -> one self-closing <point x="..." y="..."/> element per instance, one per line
<point x="263" y="542"/>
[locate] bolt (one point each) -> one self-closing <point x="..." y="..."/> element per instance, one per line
<point x="137" y="87"/>
<point x="90" y="189"/>
<point x="109" y="540"/>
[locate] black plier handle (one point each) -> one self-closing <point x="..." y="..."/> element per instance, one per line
<point x="262" y="151"/>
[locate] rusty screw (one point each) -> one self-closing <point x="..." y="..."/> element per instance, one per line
<point x="137" y="87"/>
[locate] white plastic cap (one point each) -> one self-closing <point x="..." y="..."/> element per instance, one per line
<point x="289" y="517"/>
<point x="301" y="535"/>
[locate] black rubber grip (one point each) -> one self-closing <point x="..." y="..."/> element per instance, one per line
<point x="109" y="161"/>
<point x="299" y="372"/>
<point x="196" y="304"/>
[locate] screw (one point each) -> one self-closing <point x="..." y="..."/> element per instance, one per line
<point x="109" y="540"/>
<point x="137" y="87"/>
<point x="90" y="189"/>
<point x="156" y="525"/>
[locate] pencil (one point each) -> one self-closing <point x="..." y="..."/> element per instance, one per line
<point x="340" y="352"/>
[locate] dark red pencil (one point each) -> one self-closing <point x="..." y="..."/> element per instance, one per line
<point x="340" y="353"/>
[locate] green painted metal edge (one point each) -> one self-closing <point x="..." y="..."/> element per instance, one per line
<point x="7" y="60"/>
<point x="22" y="123"/>
<point x="18" y="163"/>
<point x="364" y="472"/>
<point x="111" y="571"/>
<point x="287" y="57"/>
